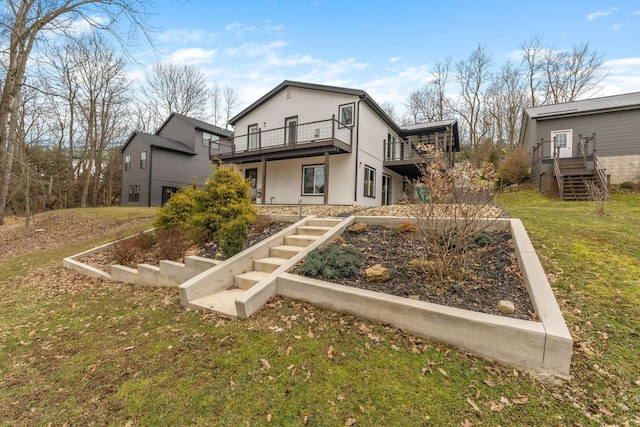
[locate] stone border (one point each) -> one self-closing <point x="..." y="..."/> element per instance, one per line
<point x="545" y="346"/>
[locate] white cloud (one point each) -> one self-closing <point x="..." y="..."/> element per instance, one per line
<point x="183" y="36"/>
<point x="600" y="13"/>
<point x="623" y="76"/>
<point x="394" y="59"/>
<point x="254" y="50"/>
<point x="617" y="27"/>
<point x="637" y="12"/>
<point x="193" y="55"/>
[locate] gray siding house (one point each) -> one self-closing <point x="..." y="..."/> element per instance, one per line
<point x="155" y="166"/>
<point x="573" y="143"/>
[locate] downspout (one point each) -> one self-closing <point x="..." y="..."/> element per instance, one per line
<point x="355" y="186"/>
<point x="150" y="167"/>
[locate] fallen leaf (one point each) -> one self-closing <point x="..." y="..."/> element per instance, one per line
<point x="340" y="397"/>
<point x="364" y="329"/>
<point x="350" y="421"/>
<point x="265" y="365"/>
<point x="473" y="405"/>
<point x="520" y="399"/>
<point x="466" y="423"/>
<point x="443" y="372"/>
<point x="268" y="418"/>
<point x="32" y="333"/>
<point x="361" y="408"/>
<point x="489" y="382"/>
<point x="330" y="352"/>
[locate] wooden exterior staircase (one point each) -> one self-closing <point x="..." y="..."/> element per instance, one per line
<point x="581" y="178"/>
<point x="230" y="285"/>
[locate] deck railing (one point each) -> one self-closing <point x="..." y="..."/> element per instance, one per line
<point x="294" y="136"/>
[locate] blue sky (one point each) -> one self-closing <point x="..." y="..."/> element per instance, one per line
<point x="384" y="47"/>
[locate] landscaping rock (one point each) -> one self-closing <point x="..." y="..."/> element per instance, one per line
<point x="506" y="307"/>
<point x="358" y="228"/>
<point x="377" y="273"/>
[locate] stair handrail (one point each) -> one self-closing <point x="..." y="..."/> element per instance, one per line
<point x="556" y="168"/>
<point x="602" y="177"/>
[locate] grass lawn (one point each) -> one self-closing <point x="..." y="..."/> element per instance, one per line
<point x="79" y="351"/>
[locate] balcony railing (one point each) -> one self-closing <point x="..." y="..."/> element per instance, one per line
<point x="304" y="135"/>
<point x="411" y="152"/>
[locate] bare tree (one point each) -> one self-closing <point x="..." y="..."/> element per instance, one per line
<point x="532" y="54"/>
<point x="504" y="100"/>
<point x="231" y="101"/>
<point x="569" y="75"/>
<point x="390" y="109"/>
<point x="216" y="103"/>
<point x="473" y="75"/>
<point x="430" y="102"/>
<point x="21" y="24"/>
<point x="177" y="88"/>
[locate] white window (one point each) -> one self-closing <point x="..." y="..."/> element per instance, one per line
<point x="253" y="137"/>
<point x="127" y="162"/>
<point x="313" y="180"/>
<point x="143" y="160"/>
<point x="563" y="142"/>
<point x="369" y="181"/>
<point x="345" y="115"/>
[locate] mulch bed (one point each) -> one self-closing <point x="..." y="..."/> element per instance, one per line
<point x="493" y="276"/>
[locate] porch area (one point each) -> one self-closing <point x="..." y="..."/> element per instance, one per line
<point x="421" y="145"/>
<point x="579" y="177"/>
<point x="295" y="140"/>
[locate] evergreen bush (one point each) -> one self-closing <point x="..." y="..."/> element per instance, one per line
<point x="332" y="262"/>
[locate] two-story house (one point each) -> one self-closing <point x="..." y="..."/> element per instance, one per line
<point x="320" y="144"/>
<point x="155" y="166"/>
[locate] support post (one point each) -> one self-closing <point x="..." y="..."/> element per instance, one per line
<point x="264" y="181"/>
<point x="326" y="177"/>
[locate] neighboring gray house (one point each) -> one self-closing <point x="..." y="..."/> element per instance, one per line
<point x="571" y="144"/>
<point x="155" y="166"/>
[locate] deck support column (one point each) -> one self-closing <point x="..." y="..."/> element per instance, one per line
<point x="326" y="177"/>
<point x="263" y="196"/>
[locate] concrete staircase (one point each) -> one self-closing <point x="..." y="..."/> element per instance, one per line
<point x="228" y="284"/>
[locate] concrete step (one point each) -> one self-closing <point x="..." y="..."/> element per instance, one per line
<point x="285" y="251"/>
<point x="269" y="264"/>
<point x="313" y="230"/>
<point x="300" y="240"/>
<point x="323" y="222"/>
<point x="223" y="303"/>
<point x="248" y="279"/>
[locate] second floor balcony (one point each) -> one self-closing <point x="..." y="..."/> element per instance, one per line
<point x="293" y="140"/>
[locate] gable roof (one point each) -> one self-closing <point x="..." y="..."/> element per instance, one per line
<point x="626" y="101"/>
<point x="156" y="141"/>
<point x="364" y="96"/>
<point x="198" y="124"/>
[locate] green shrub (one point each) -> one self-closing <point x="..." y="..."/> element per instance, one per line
<point x="177" y="212"/>
<point x="332" y="262"/>
<point x="205" y="212"/>
<point x="514" y="169"/>
<point x="232" y="236"/>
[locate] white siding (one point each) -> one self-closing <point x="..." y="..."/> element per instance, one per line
<point x="308" y="105"/>
<point x="284" y="180"/>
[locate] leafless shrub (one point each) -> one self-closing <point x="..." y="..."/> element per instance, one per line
<point x="127" y="251"/>
<point x="173" y="243"/>
<point x="261" y="223"/>
<point x="598" y="198"/>
<point x="459" y="210"/>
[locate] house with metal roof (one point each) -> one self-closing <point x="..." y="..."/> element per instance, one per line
<point x="583" y="146"/>
<point x="157" y="165"/>
<point x="318" y="144"/>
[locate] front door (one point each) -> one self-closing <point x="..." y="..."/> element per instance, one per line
<point x="251" y="176"/>
<point x="386" y="189"/>
<point x="562" y="139"/>
<point x="291" y="130"/>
